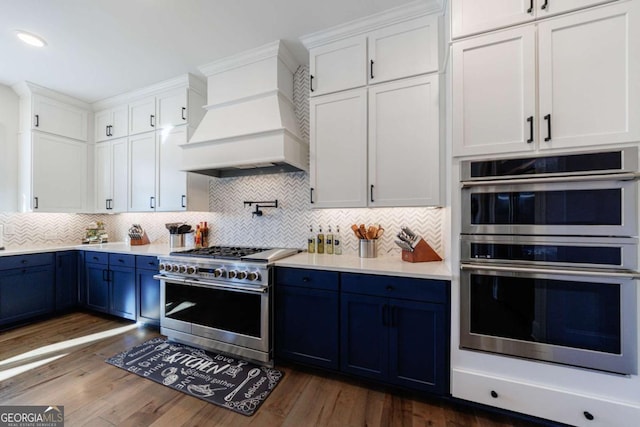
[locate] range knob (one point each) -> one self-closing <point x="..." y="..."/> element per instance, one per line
<point x="182" y="268"/>
<point x="161" y="266"/>
<point x="232" y="274"/>
<point x="241" y="275"/>
<point x="218" y="272"/>
<point x="253" y="276"/>
<point x="174" y="268"/>
<point x="191" y="269"/>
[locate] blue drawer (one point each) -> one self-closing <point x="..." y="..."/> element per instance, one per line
<point x="306" y="278"/>
<point x="96" y="257"/>
<point x="23" y="261"/>
<point x="396" y="287"/>
<point x="122" y="260"/>
<point x="146" y="262"/>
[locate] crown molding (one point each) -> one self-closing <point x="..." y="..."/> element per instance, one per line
<point x="411" y="10"/>
<point x="269" y="50"/>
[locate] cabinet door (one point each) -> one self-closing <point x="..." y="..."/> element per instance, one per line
<point x="148" y="297"/>
<point x="172" y="108"/>
<point x="493" y="80"/>
<point x="103" y="176"/>
<point x="142" y="172"/>
<point x="588" y="71"/>
<point x="338" y="66"/>
<point x="473" y="16"/>
<point x="364" y="336"/>
<point x="59" y="174"/>
<point x="102" y="122"/>
<point x="338" y="159"/>
<point x="404" y="143"/>
<point x="26" y="292"/>
<point x="418" y="346"/>
<point x="403" y="50"/>
<point x="172" y="182"/>
<point x="119" y="173"/>
<point x="66" y="280"/>
<point x="142" y="115"/>
<point x="119" y="121"/>
<point x="307" y="326"/>
<point x="59" y="118"/>
<point x="123" y="292"/>
<point x="97" y="287"/>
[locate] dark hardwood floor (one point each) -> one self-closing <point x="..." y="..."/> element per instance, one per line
<point x="63" y="364"/>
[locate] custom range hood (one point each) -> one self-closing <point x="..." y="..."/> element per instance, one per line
<point x="250" y="126"/>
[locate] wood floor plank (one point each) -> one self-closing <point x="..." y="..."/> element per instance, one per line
<point x="95" y="393"/>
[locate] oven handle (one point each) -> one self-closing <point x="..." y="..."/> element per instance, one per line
<point x="621" y="274"/>
<point x="629" y="176"/>
<point x="211" y="285"/>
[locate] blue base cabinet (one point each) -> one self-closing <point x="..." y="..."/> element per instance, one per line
<point x="110" y="285"/>
<point x="27" y="287"/>
<point x="148" y="290"/>
<point x="66" y="280"/>
<point x="396" y="330"/>
<point x="306" y="319"/>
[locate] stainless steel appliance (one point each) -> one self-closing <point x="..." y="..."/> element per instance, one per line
<point x="549" y="258"/>
<point x="219" y="298"/>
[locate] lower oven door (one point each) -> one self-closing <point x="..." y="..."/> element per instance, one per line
<point x="585" y="319"/>
<point x="226" y="314"/>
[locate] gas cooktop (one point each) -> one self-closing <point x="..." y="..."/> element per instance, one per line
<point x="237" y="253"/>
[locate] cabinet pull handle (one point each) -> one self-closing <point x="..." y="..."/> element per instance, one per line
<point x="371" y="70"/>
<point x="35" y="206"/>
<point x="152" y="203"/>
<point x="311" y="82"/>
<point x="184" y="201"/>
<point x="105" y="276"/>
<point x="371" y="193"/>
<point x="530" y="7"/>
<point x="184" y="110"/>
<point x="311" y="195"/>
<point x="530" y="120"/>
<point x="588" y="415"/>
<point x="106" y="204"/>
<point x="152" y="121"/>
<point x="494" y="394"/>
<point x="106" y="131"/>
<point x="544" y="5"/>
<point x="37" y="120"/>
<point x="548" y="119"/>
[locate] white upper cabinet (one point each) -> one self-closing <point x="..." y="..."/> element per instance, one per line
<point x="404" y="143"/>
<point x="586" y="92"/>
<point x="111" y="123"/>
<point x="58" y="174"/>
<point x="472" y="16"/>
<point x="396" y="51"/>
<point x="111" y="172"/>
<point x="403" y="50"/>
<point x="494" y="97"/>
<point x="589" y="72"/>
<point x="172" y="108"/>
<point x="338" y="66"/>
<point x="58" y="118"/>
<point x="338" y="163"/>
<point x="142" y="172"/>
<point x="142" y="115"/>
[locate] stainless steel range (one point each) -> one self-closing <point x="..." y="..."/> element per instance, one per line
<point x="218" y="298"/>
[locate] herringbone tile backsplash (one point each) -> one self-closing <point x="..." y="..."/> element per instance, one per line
<point x="231" y="222"/>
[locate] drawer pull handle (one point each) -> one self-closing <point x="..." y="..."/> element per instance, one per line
<point x="494" y="394"/>
<point x="588" y="415"/>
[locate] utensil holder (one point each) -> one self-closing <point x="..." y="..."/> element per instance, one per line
<point x="421" y="253"/>
<point x="176" y="241"/>
<point x="368" y="248"/>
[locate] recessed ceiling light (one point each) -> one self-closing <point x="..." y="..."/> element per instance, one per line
<point x="31" y="39"/>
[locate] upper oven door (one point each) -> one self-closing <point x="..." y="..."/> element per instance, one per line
<point x="598" y="207"/>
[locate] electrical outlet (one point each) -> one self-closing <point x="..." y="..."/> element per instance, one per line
<point x="9" y="230"/>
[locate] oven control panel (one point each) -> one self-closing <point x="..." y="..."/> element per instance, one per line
<point x="233" y="272"/>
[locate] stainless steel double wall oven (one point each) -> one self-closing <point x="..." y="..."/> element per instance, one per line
<point x="549" y="258"/>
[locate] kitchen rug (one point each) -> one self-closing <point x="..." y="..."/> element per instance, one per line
<point x="217" y="378"/>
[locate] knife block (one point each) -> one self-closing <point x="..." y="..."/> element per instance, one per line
<point x="139" y="241"/>
<point x="421" y="253"/>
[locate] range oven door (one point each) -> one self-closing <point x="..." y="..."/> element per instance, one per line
<point x="219" y="312"/>
<point x="599" y="206"/>
<point x="584" y="319"/>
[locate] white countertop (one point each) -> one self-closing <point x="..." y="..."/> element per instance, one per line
<point x="388" y="266"/>
<point x="155" y="249"/>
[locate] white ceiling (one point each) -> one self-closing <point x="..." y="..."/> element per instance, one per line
<point x="100" y="48"/>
